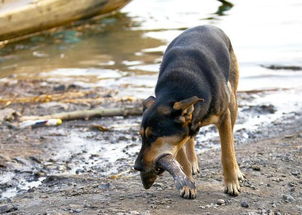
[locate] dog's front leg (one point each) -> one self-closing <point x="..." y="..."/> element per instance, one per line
<point x="191" y="155"/>
<point x="231" y="169"/>
<point x="188" y="191"/>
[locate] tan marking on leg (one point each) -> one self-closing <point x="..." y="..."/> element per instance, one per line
<point x="181" y="157"/>
<point x="191" y="155"/>
<point x="230" y="167"/>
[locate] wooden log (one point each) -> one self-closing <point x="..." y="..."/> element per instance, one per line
<point x="85" y="114"/>
<point x="20" y="17"/>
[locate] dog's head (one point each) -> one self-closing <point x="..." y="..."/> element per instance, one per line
<point x="164" y="130"/>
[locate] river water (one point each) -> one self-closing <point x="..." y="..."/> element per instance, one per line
<point x="124" y="52"/>
<point x="127" y="48"/>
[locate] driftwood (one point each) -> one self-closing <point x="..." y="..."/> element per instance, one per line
<point x="19" y="18"/>
<point x="86" y="114"/>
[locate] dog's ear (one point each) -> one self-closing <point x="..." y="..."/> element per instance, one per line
<point x="147" y="103"/>
<point x="187" y="107"/>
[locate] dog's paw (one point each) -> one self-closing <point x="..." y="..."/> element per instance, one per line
<point x="186" y="187"/>
<point x="232" y="188"/>
<point x="195" y="168"/>
<point x="188" y="192"/>
<point x="240" y="175"/>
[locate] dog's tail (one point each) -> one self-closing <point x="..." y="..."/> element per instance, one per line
<point x="234" y="70"/>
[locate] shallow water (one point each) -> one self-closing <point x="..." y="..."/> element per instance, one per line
<point x="127" y="48"/>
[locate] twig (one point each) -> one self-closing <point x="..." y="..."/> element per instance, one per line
<point x="86" y="114"/>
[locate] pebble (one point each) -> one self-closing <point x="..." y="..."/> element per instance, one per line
<point x="256" y="168"/>
<point x="292" y="184"/>
<point x="244" y="204"/>
<point x="288" y="198"/>
<point x="295" y="173"/>
<point x="104" y="186"/>
<point x="277" y="179"/>
<point x="7" y="208"/>
<point x="220" y="202"/>
<point x="134" y="213"/>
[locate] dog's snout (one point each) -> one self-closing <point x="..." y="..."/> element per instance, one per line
<point x="138" y="164"/>
<point x="138" y="167"/>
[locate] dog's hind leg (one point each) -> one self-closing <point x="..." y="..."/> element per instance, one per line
<point x="191" y="155"/>
<point x="231" y="170"/>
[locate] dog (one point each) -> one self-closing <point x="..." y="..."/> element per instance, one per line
<point x="196" y="86"/>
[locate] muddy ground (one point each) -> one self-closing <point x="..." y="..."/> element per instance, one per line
<point x="82" y="180"/>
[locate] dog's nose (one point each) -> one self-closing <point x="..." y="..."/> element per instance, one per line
<point x="138" y="165"/>
<point x="137" y="168"/>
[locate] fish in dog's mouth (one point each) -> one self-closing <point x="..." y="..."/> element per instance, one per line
<point x="148" y="177"/>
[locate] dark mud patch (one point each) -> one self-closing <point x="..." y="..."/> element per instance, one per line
<point x="282" y="67"/>
<point x="260" y="109"/>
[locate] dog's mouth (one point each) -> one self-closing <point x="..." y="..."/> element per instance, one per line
<point x="159" y="171"/>
<point x="148" y="177"/>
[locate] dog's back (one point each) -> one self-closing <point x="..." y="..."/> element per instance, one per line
<point x="199" y="62"/>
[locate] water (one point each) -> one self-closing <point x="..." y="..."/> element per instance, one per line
<point x="124" y="52"/>
<point x="128" y="47"/>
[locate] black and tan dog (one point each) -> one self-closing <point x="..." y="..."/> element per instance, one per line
<point x="196" y="87"/>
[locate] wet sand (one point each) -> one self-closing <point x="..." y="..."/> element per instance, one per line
<point x="273" y="186"/>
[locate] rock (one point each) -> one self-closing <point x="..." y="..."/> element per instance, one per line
<point x="21" y="160"/>
<point x="256" y="168"/>
<point x="77" y="210"/>
<point x="244" y="204"/>
<point x="220" y="202"/>
<point x="79" y="171"/>
<point x="134" y="213"/>
<point x="292" y="184"/>
<point x="288" y="198"/>
<point x="8" y="114"/>
<point x="35" y="159"/>
<point x="104" y="186"/>
<point x="122" y="138"/>
<point x="7" y="208"/>
<point x="277" y="179"/>
<point x="295" y="173"/>
<point x="59" y="88"/>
